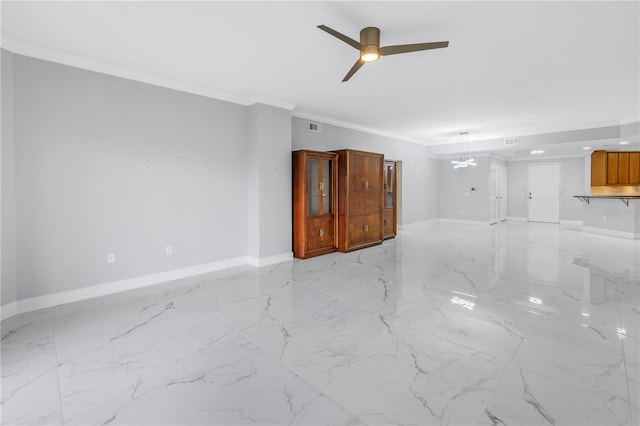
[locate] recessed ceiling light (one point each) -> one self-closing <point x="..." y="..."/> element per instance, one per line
<point x="537" y="151"/>
<point x="624" y="143"/>
<point x="586" y="147"/>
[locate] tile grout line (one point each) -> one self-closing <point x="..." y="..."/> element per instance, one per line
<point x="277" y="361"/>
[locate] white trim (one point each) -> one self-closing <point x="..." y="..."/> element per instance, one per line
<point x="417" y="226"/>
<point x="8" y="310"/>
<point x="14" y="46"/>
<point x="516" y="219"/>
<point x="464" y="222"/>
<point x="577" y="224"/>
<point x="270" y="260"/>
<point x="98" y="290"/>
<point x="545" y="158"/>
<point x="611" y="232"/>
<point x="347" y="125"/>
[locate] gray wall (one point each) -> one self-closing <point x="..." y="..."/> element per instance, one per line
<point x="105" y="164"/>
<point x="612" y="215"/>
<point x="457" y="200"/>
<point x="419" y="171"/>
<point x="8" y="202"/>
<point x="269" y="184"/>
<point x="572" y="182"/>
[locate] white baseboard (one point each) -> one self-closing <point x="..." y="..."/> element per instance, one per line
<point x="611" y="232"/>
<point x="516" y="219"/>
<point x="98" y="290"/>
<point x="8" y="310"/>
<point x="270" y="260"/>
<point x="572" y="224"/>
<point x="463" y="221"/>
<point x="416" y="226"/>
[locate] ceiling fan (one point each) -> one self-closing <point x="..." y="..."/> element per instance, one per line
<point x="370" y="50"/>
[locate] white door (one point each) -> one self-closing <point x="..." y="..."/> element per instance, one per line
<point x="497" y="193"/>
<point x="502" y="194"/>
<point x="544" y="192"/>
<point x="494" y="202"/>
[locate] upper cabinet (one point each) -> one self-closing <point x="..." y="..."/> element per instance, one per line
<point x="360" y="199"/>
<point x="314" y="203"/>
<point x="615" y="168"/>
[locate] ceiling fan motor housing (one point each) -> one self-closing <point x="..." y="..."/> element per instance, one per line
<point x="370" y="41"/>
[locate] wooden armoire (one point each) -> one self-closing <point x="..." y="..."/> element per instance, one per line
<point x="390" y="199"/>
<point x="314" y="203"/>
<point x="360" y="199"/>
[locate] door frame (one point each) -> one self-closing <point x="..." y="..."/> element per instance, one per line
<point x="499" y="198"/>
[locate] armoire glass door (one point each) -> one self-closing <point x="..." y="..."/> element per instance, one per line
<point x="319" y="184"/>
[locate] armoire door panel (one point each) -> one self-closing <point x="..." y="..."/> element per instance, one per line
<point x="315" y="235"/>
<point x="374" y="227"/>
<point x="360" y="197"/>
<point x="315" y="177"/>
<point x="320" y="234"/>
<point x="364" y="229"/>
<point x="389" y="223"/>
<point x="389" y="199"/>
<point x="357" y="229"/>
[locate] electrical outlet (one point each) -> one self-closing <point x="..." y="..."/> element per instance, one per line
<point x="169" y="249"/>
<point x="111" y="258"/>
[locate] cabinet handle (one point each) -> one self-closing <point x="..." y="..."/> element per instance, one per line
<point x="321" y="186"/>
<point x="365" y="228"/>
<point x="321" y="232"/>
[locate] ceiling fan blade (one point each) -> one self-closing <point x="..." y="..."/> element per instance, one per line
<point x="405" y="48"/>
<point x="341" y="36"/>
<point x="353" y="69"/>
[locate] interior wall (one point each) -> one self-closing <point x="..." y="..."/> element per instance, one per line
<point x="464" y="192"/>
<point x="108" y="165"/>
<point x="612" y="215"/>
<point x="572" y="182"/>
<point x="270" y="182"/>
<point x="8" y="279"/>
<point x="419" y="171"/>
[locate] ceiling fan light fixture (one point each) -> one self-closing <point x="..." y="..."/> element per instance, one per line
<point x="369" y="56"/>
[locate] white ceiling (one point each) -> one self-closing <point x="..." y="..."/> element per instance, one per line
<point x="511" y="69"/>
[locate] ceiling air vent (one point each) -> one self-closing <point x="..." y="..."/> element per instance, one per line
<point x="512" y="141"/>
<point x="315" y="127"/>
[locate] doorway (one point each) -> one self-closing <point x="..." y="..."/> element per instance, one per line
<point x="544" y="192"/>
<point x="497" y="193"/>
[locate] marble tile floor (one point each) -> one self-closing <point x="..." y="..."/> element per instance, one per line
<point x="513" y="324"/>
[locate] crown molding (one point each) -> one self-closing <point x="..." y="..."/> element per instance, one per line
<point x="352" y="126"/>
<point x="14" y="46"/>
<point x="545" y="158"/>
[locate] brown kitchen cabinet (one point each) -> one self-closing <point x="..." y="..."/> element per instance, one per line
<point x="615" y="168"/>
<point x="360" y="199"/>
<point x="390" y="199"/>
<point x="314" y="203"/>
